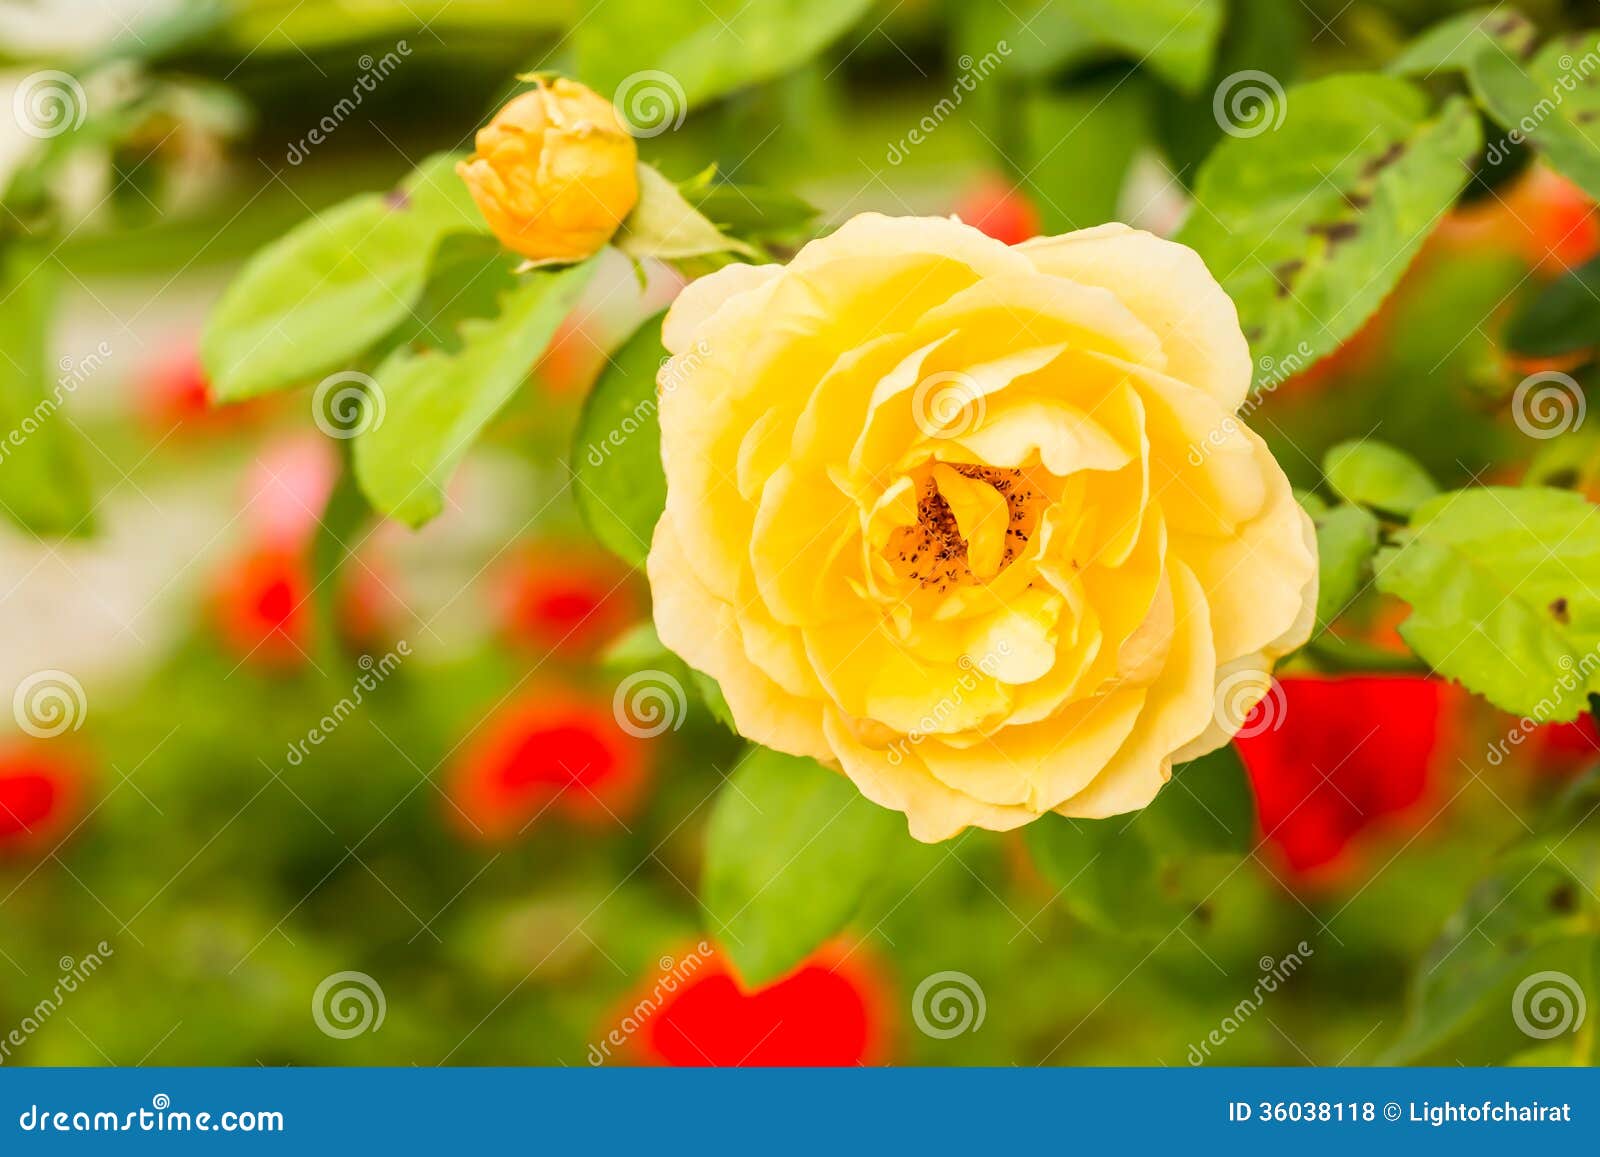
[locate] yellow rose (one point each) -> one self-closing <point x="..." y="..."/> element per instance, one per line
<point x="975" y="523"/>
<point x="554" y="173"/>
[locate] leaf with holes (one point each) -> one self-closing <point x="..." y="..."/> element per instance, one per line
<point x="314" y="301"/>
<point x="1309" y="225"/>
<point x="1145" y="874"/>
<point x="430" y="406"/>
<point x="1454" y="43"/>
<point x="1504" y="587"/>
<point x="790" y="850"/>
<point x="616" y="451"/>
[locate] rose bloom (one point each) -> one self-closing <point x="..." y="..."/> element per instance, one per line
<point x="975" y="523"/>
<point x="554" y="173"/>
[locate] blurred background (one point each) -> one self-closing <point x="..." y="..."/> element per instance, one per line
<point x="402" y="824"/>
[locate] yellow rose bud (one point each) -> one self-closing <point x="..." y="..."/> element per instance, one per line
<point x="554" y="173"/>
<point x="977" y="524"/>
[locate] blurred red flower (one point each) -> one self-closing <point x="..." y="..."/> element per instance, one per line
<point x="261" y="604"/>
<point x="1567" y="748"/>
<point x="830" y="1011"/>
<point x="547" y="750"/>
<point x="1329" y="757"/>
<point x="173" y="391"/>
<point x="1004" y="213"/>
<point x="39" y="791"/>
<point x="565" y="598"/>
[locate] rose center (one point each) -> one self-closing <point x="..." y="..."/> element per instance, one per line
<point x="971" y="523"/>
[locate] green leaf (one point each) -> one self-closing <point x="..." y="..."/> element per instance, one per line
<point x="1107" y="120"/>
<point x="1504" y="587"/>
<point x="1378" y="475"/>
<point x="664" y="225"/>
<point x="616" y="450"/>
<point x="790" y="850"/>
<point x="1347" y="539"/>
<point x="749" y="212"/>
<point x="42" y="484"/>
<point x="1175" y="39"/>
<point x="1452" y="44"/>
<point x="1506" y="974"/>
<point x="1547" y="102"/>
<point x="641" y="648"/>
<point x="430" y="406"/>
<point x="1311" y="224"/>
<point x="651" y="56"/>
<point x="1144" y="874"/>
<point x="1562" y="318"/>
<point x="316" y="300"/>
